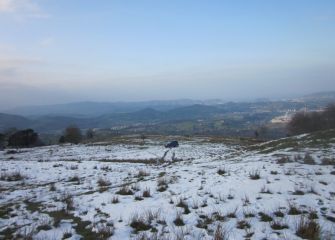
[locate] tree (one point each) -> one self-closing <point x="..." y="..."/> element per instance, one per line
<point x="143" y="137"/>
<point x="2" y="141"/>
<point x="23" y="138"/>
<point x="90" y="133"/>
<point x="330" y="116"/>
<point x="61" y="139"/>
<point x="72" y="134"/>
<point x="256" y="134"/>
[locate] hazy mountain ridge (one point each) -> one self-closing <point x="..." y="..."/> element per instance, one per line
<point x="95" y="109"/>
<point x="158" y="112"/>
<point x="9" y="121"/>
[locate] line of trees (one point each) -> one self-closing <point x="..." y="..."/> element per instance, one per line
<point x="30" y="138"/>
<point x="19" y="138"/>
<point x="305" y="122"/>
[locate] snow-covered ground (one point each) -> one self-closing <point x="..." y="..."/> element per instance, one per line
<point x="121" y="192"/>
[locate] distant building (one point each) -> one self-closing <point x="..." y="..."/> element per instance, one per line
<point x="284" y="118"/>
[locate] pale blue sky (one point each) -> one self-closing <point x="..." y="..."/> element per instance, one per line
<point x="55" y="51"/>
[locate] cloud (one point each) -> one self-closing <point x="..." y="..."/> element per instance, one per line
<point x="22" y="8"/>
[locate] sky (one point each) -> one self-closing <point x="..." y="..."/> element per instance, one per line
<point x="58" y="51"/>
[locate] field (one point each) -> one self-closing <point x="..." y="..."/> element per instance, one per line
<point x="201" y="190"/>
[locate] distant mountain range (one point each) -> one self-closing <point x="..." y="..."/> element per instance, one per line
<point x="54" y="118"/>
<point x="94" y="109"/>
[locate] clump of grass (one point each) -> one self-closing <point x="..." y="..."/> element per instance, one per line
<point x="11" y="151"/>
<point x="183" y="205"/>
<point x="328" y="161"/>
<point x="11" y="176"/>
<point x="313" y="215"/>
<point x="230" y="196"/>
<point x="142" y="173"/>
<point x="278" y="225"/>
<point x="298" y="192"/>
<point x="44" y="224"/>
<point x="283" y="160"/>
<point x="146" y="236"/>
<point x="323" y="183"/>
<point x="204" y="203"/>
<point x="138" y="198"/>
<point x="220" y="233"/>
<point x="222" y="171"/>
<point x="67" y="234"/>
<point x="105" y="168"/>
<point x="135" y="187"/>
<point x="308" y="229"/>
<point x="254" y="175"/>
<point x="125" y="191"/>
<point x="52" y="187"/>
<point x="232" y="214"/>
<point x="102" y="182"/>
<point x="245" y="200"/>
<point x="74" y="178"/>
<point x="330" y="218"/>
<point x="293" y="210"/>
<point x="248" y="214"/>
<point x="162" y="184"/>
<point x="115" y="200"/>
<point x="204" y="221"/>
<point x="68" y="200"/>
<point x="265" y="190"/>
<point x="179" y="220"/>
<point x="308" y="159"/>
<point x="218" y="216"/>
<point x="139" y="223"/>
<point x="248" y="233"/>
<point x="278" y="213"/>
<point x="146" y="193"/>
<point x="289" y="172"/>
<point x="313" y="190"/>
<point x="242" y="224"/>
<point x="143" y="222"/>
<point x="26" y="233"/>
<point x="74" y="167"/>
<point x="105" y="231"/>
<point x="264" y="217"/>
<point x="274" y="172"/>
